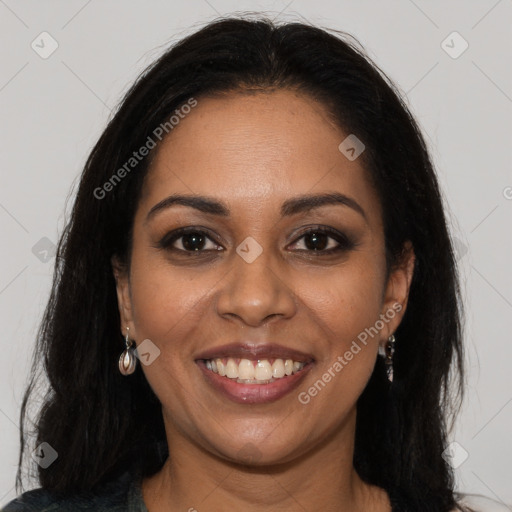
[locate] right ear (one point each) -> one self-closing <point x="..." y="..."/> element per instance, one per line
<point x="124" y="302"/>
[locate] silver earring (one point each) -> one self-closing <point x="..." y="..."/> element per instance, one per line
<point x="388" y="352"/>
<point x="127" y="360"/>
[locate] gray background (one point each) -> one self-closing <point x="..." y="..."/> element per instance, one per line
<point x="54" y="109"/>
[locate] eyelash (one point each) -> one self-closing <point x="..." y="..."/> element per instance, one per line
<point x="344" y="243"/>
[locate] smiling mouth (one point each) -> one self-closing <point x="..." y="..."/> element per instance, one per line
<point x="259" y="371"/>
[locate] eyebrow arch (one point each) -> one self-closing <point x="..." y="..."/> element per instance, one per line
<point x="308" y="202"/>
<point x="290" y="207"/>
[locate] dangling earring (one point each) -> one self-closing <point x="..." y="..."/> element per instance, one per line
<point x="128" y="361"/>
<point x="388" y="352"/>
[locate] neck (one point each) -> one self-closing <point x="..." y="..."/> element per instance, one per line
<point x="321" y="479"/>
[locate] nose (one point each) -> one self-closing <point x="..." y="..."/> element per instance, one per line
<point x="255" y="292"/>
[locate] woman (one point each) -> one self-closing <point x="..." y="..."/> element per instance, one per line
<point x="261" y="219"/>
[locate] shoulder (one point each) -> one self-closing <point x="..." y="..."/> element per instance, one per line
<point x="479" y="503"/>
<point x="42" y="500"/>
<point x="119" y="495"/>
<point x="464" y="502"/>
<point x="29" y="501"/>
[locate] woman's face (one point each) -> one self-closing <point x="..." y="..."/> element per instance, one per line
<point x="246" y="283"/>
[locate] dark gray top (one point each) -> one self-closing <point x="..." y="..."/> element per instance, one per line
<point x="123" y="494"/>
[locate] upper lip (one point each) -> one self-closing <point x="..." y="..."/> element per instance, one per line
<point x="249" y="350"/>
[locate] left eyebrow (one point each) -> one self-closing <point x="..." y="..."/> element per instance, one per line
<point x="290" y="207"/>
<point x="309" y="202"/>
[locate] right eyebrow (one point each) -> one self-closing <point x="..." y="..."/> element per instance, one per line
<point x="202" y="203"/>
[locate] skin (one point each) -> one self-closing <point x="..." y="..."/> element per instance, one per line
<point x="253" y="151"/>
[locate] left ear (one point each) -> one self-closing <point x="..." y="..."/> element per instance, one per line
<point x="123" y="297"/>
<point x="397" y="290"/>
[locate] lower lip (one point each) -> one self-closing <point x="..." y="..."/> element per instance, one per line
<point x="254" y="393"/>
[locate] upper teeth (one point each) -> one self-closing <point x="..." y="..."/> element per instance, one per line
<point x="260" y="370"/>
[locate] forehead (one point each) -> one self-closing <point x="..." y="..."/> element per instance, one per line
<point x="255" y="149"/>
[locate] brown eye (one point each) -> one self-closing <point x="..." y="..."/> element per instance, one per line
<point x="316" y="241"/>
<point x="325" y="241"/>
<point x="188" y="240"/>
<point x="193" y="241"/>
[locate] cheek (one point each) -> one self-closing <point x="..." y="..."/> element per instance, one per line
<point x="166" y="308"/>
<point x="164" y="300"/>
<point x="347" y="300"/>
<point x="346" y="308"/>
